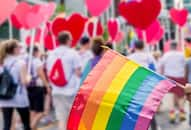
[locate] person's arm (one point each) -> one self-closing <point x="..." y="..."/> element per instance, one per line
<point x="77" y="65"/>
<point x="24" y="76"/>
<point x="188" y="92"/>
<point x="186" y="71"/>
<point x="42" y="76"/>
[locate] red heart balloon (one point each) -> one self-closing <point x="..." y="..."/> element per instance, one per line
<point x="74" y="24"/>
<point x="15" y="22"/>
<point x="140" y="14"/>
<point x="91" y="28"/>
<point x="97" y="7"/>
<point x="113" y="28"/>
<point x="49" y="42"/>
<point x="179" y="16"/>
<point x="7" y="7"/>
<point x="151" y="32"/>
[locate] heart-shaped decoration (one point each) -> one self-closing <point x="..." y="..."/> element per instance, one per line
<point x="49" y="42"/>
<point x="152" y="32"/>
<point x="15" y="22"/>
<point x="34" y="17"/>
<point x="75" y="24"/>
<point x="91" y="27"/>
<point x="113" y="28"/>
<point x="37" y="19"/>
<point x="158" y="36"/>
<point x="28" y="16"/>
<point x="141" y="14"/>
<point x="47" y="10"/>
<point x="19" y="15"/>
<point x="7" y="7"/>
<point x="96" y="8"/>
<point x="179" y="16"/>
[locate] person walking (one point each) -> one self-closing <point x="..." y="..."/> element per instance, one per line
<point x="64" y="71"/>
<point x="38" y="88"/>
<point x="9" y="59"/>
<point x="173" y="65"/>
<point x="85" y="51"/>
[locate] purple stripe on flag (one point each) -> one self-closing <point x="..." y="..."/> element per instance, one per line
<point x="152" y="103"/>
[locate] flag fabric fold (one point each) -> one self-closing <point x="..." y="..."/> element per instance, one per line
<point x="118" y="94"/>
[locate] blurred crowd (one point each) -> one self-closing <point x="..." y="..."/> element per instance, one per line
<point x="49" y="80"/>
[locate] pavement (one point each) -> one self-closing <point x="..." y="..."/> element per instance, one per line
<point x="162" y="119"/>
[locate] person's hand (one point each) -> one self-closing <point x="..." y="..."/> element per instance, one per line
<point x="48" y="90"/>
<point x="188" y="92"/>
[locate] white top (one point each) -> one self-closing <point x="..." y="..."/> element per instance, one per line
<point x="71" y="61"/>
<point x="85" y="57"/>
<point x="174" y="64"/>
<point x="21" y="97"/>
<point x="142" y="58"/>
<point x="36" y="64"/>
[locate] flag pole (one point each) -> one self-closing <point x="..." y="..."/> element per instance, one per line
<point x="31" y="49"/>
<point x="95" y="27"/>
<point x="10" y="29"/>
<point x="42" y="37"/>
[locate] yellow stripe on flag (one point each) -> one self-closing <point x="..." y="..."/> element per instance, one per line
<point x="109" y="99"/>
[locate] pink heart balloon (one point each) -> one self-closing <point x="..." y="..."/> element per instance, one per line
<point x="151" y="32"/>
<point x="113" y="28"/>
<point x="34" y="17"/>
<point x="7" y="7"/>
<point x="20" y="14"/>
<point x="179" y="16"/>
<point x="158" y="36"/>
<point x="47" y="10"/>
<point x="97" y="7"/>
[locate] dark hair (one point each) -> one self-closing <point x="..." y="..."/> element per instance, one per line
<point x="84" y="40"/>
<point x="97" y="48"/>
<point x="173" y="45"/>
<point x="35" y="49"/>
<point x="64" y="37"/>
<point x="139" y="45"/>
<point x="11" y="45"/>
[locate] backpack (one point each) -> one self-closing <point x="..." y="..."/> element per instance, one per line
<point x="8" y="87"/>
<point x="57" y="74"/>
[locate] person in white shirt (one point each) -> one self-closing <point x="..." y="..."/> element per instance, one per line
<point x="142" y="57"/>
<point x="84" y="52"/>
<point x="10" y="59"/>
<point x="173" y="66"/>
<point x="64" y="92"/>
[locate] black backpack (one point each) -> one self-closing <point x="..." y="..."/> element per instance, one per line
<point x="8" y="87"/>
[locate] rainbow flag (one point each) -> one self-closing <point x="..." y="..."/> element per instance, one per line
<point x="118" y="94"/>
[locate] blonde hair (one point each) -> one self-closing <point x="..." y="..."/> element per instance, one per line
<point x="7" y="47"/>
